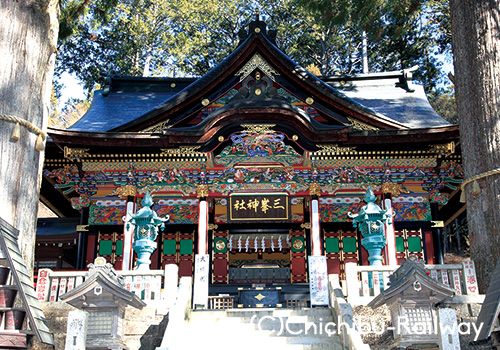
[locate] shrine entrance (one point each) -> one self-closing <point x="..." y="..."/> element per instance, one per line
<point x="253" y="255"/>
<point x="259" y="257"/>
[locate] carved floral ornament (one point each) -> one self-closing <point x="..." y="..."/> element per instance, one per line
<point x="258" y="128"/>
<point x="334" y="148"/>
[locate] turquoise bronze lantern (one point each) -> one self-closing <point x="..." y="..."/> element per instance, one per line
<point x="371" y="221"/>
<point x="146" y="223"/>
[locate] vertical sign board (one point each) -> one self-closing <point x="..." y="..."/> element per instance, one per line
<point x="470" y="277"/>
<point x="200" y="293"/>
<point x="318" y="280"/>
<point x="42" y="286"/>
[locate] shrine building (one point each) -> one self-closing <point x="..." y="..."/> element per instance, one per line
<point x="256" y="164"/>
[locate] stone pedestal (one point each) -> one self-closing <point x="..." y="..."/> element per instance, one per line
<point x="76" y="333"/>
<point x="448" y="330"/>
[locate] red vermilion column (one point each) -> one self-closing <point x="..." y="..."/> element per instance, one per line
<point x="316" y="249"/>
<point x="390" y="235"/>
<point x="203" y="220"/>
<point x="128" y="232"/>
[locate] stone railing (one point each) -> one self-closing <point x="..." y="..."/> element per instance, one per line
<point x="151" y="286"/>
<point x="178" y="317"/>
<point x="344" y="317"/>
<point x="366" y="282"/>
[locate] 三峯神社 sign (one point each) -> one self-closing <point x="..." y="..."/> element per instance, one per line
<point x="251" y="207"/>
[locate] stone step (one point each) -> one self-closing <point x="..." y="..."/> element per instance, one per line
<point x="265" y="329"/>
<point x="250" y="340"/>
<point x="261" y="312"/>
<point x="279" y="312"/>
<point x="272" y="330"/>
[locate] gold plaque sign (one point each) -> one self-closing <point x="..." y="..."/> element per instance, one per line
<point x="259" y="207"/>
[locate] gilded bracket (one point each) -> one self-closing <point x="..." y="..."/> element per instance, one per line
<point x="202" y="191"/>
<point x="71" y="153"/>
<point x="393" y="188"/>
<point x="125" y="191"/>
<point x="445" y="148"/>
<point x="315" y="189"/>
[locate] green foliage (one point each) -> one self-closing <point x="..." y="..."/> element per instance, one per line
<point x="73" y="110"/>
<point x="73" y="10"/>
<point x="308" y="40"/>
<point x="401" y="33"/>
<point x="147" y="37"/>
<point x="189" y="37"/>
<point x="444" y="103"/>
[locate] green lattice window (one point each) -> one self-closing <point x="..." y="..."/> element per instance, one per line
<point x="186" y="246"/>
<point x="349" y="244"/>
<point x="169" y="247"/>
<point x="332" y="245"/>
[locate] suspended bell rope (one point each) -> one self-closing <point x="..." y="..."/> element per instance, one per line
<point x="16" y="133"/>
<point x="475" y="185"/>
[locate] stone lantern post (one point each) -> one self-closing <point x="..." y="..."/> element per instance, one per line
<point x="146" y="223"/>
<point x="371" y="220"/>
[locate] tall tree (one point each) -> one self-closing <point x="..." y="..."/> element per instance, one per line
<point x="28" y="33"/>
<point x="475" y="26"/>
<point x="475" y="36"/>
<point x="401" y="33"/>
<point x="146" y="37"/>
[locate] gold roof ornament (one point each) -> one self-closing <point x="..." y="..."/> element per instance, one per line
<point x="71" y="153"/>
<point x="444" y="148"/>
<point x="334" y="149"/>
<point x="183" y="150"/>
<point x="257" y="62"/>
<point x="356" y="124"/>
<point x="157" y="128"/>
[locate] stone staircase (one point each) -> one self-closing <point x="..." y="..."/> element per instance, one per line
<point x="261" y="329"/>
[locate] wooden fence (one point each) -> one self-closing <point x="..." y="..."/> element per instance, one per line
<point x="147" y="285"/>
<point x="363" y="283"/>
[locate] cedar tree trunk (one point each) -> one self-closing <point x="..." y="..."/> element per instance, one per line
<point x="476" y="50"/>
<point x="28" y="35"/>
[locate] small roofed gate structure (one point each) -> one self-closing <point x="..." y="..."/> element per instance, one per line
<point x="256" y="164"/>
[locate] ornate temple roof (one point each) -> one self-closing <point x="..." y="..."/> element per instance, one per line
<point x="368" y="101"/>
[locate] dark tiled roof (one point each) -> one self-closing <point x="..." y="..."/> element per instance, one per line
<point x="382" y="93"/>
<point x="384" y="96"/>
<point x="118" y="108"/>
